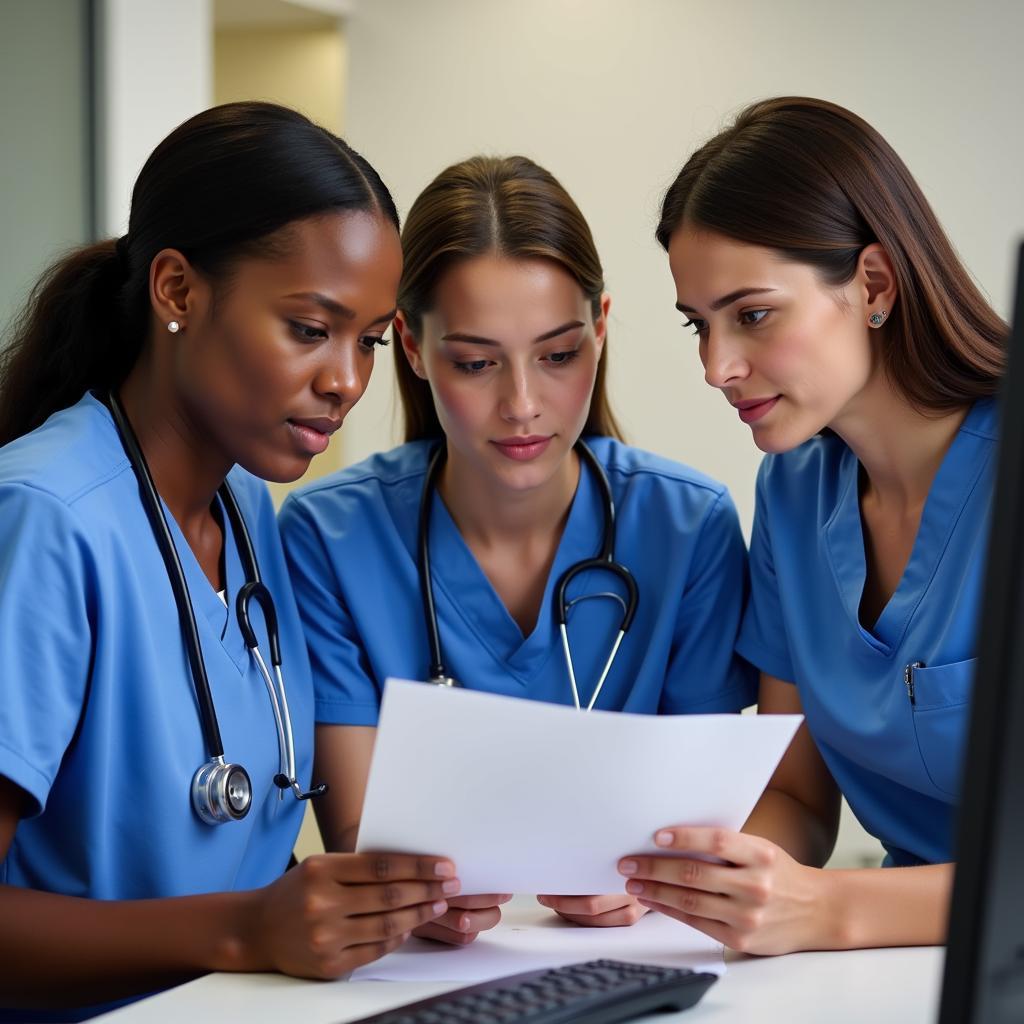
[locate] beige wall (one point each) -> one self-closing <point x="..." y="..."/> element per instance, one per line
<point x="302" y="68"/>
<point x="612" y="96"/>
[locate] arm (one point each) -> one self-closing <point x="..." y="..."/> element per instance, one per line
<point x="799" y="809"/>
<point x="771" y="895"/>
<point x="324" y="918"/>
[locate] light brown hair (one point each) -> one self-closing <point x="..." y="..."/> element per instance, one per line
<point x="508" y="206"/>
<point x="816" y="183"/>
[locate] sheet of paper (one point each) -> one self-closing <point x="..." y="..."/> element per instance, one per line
<point x="530" y="938"/>
<point x="529" y="797"/>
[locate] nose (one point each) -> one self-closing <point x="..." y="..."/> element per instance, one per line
<point x="343" y="375"/>
<point x="519" y="399"/>
<point x="724" y="362"/>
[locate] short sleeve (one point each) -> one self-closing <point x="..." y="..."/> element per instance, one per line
<point x="47" y="589"/>
<point x="705" y="674"/>
<point x="763" y="640"/>
<point x="343" y="682"/>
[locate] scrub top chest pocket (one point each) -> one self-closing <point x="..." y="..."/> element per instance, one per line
<point x="940" y="703"/>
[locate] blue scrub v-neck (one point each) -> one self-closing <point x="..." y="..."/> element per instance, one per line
<point x="887" y="707"/>
<point x="955" y="479"/>
<point x="351" y="542"/>
<point x="460" y="575"/>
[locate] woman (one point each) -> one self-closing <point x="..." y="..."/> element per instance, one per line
<point x="503" y="324"/>
<point x="226" y="336"/>
<point x="833" y="314"/>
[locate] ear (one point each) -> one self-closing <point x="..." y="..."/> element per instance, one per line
<point x="601" y="323"/>
<point x="410" y="346"/>
<point x="877" y="281"/>
<point x="173" y="284"/>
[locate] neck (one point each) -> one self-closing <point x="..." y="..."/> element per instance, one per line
<point x="492" y="515"/>
<point x="186" y="469"/>
<point x="899" y="447"/>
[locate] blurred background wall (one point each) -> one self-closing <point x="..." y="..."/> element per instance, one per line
<point x="610" y="95"/>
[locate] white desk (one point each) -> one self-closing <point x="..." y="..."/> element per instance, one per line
<point x="900" y="986"/>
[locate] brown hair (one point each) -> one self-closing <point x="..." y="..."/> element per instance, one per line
<point x="504" y="205"/>
<point x="817" y="184"/>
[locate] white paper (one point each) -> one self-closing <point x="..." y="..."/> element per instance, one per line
<point x="531" y="938"/>
<point x="530" y="797"/>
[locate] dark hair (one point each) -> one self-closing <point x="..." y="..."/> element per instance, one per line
<point x="217" y="188"/>
<point x="817" y="184"/>
<point x="504" y="205"/>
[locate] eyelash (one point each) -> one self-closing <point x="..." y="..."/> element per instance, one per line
<point x="698" y="330"/>
<point x="304" y="332"/>
<point x="477" y="366"/>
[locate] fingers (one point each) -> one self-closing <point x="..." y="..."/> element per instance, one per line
<point x="372" y="899"/>
<point x="613" y="910"/>
<point x="692" y="902"/>
<point x="459" y="927"/>
<point x="355" y="868"/>
<point x="682" y="871"/>
<point x="479" y="902"/>
<point x="715" y="929"/>
<point x="369" y="928"/>
<point x="723" y="843"/>
<point x="586" y="906"/>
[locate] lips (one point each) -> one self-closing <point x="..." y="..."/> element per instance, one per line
<point x="524" y="448"/>
<point x="752" y="409"/>
<point x="313" y="434"/>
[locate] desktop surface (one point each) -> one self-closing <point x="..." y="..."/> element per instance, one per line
<point x="883" y="986"/>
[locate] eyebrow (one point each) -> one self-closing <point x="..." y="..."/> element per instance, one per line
<point x="725" y="300"/>
<point x="338" y="308"/>
<point x="475" y="339"/>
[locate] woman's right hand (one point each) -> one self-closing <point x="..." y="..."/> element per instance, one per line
<point x="337" y="911"/>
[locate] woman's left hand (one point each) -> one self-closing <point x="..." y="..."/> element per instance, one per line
<point x="614" y="910"/>
<point x="759" y="901"/>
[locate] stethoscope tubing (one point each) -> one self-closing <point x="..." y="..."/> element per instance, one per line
<point x="603" y="562"/>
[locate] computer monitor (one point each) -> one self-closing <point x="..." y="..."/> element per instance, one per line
<point x="984" y="973"/>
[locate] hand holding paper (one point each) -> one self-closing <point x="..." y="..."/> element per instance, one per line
<point x="540" y="798"/>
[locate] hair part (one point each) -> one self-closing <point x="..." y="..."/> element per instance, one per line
<point x="818" y="184"/>
<point x="219" y="189"/>
<point x="509" y="207"/>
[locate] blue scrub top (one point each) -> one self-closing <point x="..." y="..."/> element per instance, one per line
<point x="351" y="542"/>
<point x="98" y="721"/>
<point x="896" y="760"/>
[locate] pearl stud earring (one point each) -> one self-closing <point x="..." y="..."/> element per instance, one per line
<point x="173" y="326"/>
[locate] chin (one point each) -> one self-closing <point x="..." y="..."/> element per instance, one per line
<point x="284" y="470"/>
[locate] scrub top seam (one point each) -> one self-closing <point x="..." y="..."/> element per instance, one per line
<point x="718" y="490"/>
<point x="337" y="485"/>
<point x="40" y="777"/>
<point x="67" y="501"/>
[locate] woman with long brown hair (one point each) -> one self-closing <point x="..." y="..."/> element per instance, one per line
<point x="832" y="312"/>
<point x="503" y="325"/>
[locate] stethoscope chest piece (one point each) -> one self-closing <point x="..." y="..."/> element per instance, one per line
<point x="221" y="792"/>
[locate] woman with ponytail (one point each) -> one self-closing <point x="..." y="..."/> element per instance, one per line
<point x="222" y="339"/>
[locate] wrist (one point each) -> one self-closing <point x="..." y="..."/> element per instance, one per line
<point x="239" y="945"/>
<point x="838" y="910"/>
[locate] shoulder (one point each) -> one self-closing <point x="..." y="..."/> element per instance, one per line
<point x="982" y="419"/>
<point x="658" y="486"/>
<point x="72" y="455"/>
<point x="806" y="469"/>
<point x="629" y="463"/>
<point x="383" y="482"/>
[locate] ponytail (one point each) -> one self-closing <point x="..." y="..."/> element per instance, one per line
<point x="67" y="340"/>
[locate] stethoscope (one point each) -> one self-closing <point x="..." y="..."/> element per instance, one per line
<point x="604" y="561"/>
<point x="221" y="791"/>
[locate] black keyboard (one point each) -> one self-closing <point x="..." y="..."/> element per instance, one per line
<point x="595" y="992"/>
